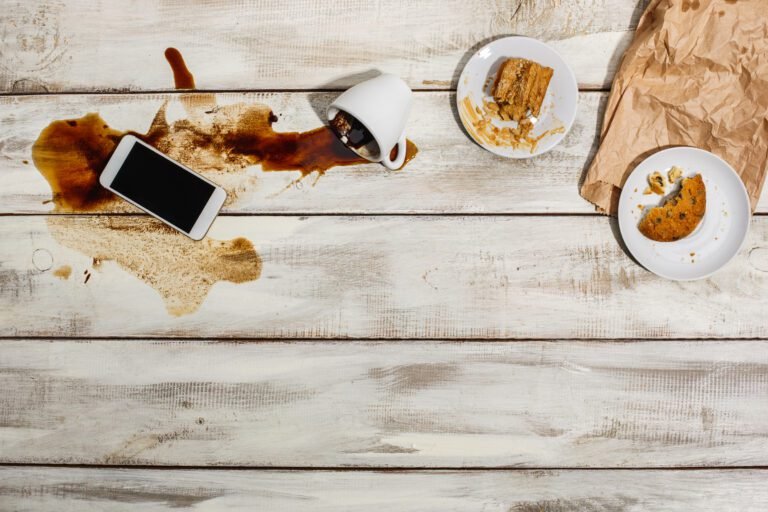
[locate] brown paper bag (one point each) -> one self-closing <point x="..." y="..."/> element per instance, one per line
<point x="696" y="74"/>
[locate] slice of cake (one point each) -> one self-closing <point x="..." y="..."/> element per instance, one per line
<point x="520" y="88"/>
<point x="679" y="216"/>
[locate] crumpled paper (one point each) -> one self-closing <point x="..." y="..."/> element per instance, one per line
<point x="696" y="74"/>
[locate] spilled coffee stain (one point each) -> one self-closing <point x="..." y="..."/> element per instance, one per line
<point x="63" y="272"/>
<point x="410" y="152"/>
<point x="219" y="142"/>
<point x="182" y="77"/>
<point x="70" y="154"/>
<point x="179" y="268"/>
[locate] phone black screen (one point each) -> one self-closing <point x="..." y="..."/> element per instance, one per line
<point x="162" y="187"/>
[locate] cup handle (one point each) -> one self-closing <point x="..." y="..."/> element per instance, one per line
<point x="398" y="162"/>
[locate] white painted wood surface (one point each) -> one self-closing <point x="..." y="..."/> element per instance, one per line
<point x="317" y="402"/>
<point x="384" y="404"/>
<point x="381" y="277"/>
<point x="450" y="174"/>
<point x="76" y="489"/>
<point x="48" y="46"/>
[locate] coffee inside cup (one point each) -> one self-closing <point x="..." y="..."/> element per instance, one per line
<point x="355" y="135"/>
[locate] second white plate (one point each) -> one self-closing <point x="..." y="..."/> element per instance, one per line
<point x="718" y="237"/>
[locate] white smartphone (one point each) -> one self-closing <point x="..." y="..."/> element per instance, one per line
<point x="165" y="189"/>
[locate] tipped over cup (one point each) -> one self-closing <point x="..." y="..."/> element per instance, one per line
<point x="372" y="115"/>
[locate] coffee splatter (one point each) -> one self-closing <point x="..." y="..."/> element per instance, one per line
<point x="71" y="154"/>
<point x="182" y="77"/>
<point x="219" y="142"/>
<point x="410" y="152"/>
<point x="63" y="272"/>
<point x="180" y="269"/>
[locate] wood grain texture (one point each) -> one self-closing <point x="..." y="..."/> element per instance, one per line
<point x="76" y="489"/>
<point x="384" y="404"/>
<point x="449" y="175"/>
<point x="388" y="277"/>
<point x="49" y="46"/>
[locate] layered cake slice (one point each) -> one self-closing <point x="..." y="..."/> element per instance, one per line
<point x="520" y="88"/>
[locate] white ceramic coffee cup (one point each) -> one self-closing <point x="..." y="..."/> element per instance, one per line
<point x="381" y="104"/>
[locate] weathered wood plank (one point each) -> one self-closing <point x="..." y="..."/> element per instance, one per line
<point x="375" y="404"/>
<point x="450" y="174"/>
<point x="76" y="489"/>
<point x="380" y="277"/>
<point x="298" y="44"/>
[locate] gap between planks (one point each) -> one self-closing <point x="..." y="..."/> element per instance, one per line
<point x="387" y="469"/>
<point x="300" y="213"/>
<point x="114" y="92"/>
<point x="362" y="340"/>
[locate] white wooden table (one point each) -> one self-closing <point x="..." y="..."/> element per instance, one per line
<point x="464" y="334"/>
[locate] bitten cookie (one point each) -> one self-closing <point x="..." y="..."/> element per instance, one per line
<point x="679" y="216"/>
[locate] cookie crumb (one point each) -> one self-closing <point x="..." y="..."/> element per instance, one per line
<point x="657" y="183"/>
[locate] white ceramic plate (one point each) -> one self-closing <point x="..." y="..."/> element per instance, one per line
<point x="558" y="110"/>
<point x="718" y="237"/>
